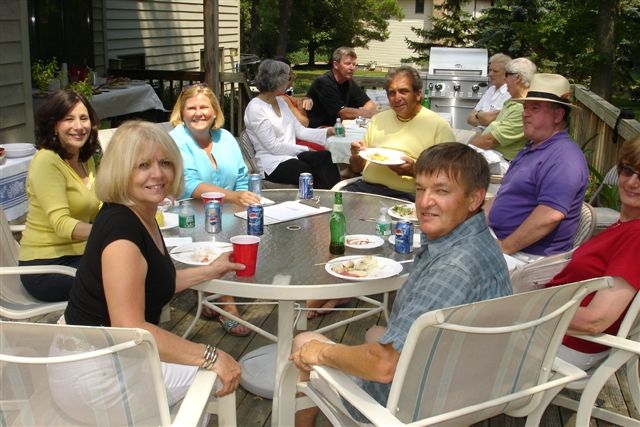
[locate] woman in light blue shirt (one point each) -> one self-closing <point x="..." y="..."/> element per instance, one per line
<point x="211" y="155"/>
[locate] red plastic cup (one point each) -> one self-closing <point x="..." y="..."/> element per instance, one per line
<point x="245" y="251"/>
<point x="212" y="195"/>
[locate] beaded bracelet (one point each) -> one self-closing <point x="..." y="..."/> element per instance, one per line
<point x="210" y="357"/>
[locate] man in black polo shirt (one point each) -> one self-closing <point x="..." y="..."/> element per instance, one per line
<point x="335" y="95"/>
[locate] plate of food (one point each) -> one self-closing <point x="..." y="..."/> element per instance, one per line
<point x="167" y="220"/>
<point x="363" y="241"/>
<point x="137" y="83"/>
<point x="382" y="156"/>
<point x="363" y="268"/>
<point x="199" y="253"/>
<point x="404" y="211"/>
<point x="416" y="240"/>
<point x="19" y="149"/>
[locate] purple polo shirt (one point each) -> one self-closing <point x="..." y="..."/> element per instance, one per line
<point x="554" y="174"/>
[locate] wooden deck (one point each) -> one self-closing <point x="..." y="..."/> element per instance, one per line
<point x="253" y="411"/>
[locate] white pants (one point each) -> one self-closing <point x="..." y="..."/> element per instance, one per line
<point x="584" y="361"/>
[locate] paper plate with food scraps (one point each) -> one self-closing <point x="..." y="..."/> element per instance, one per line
<point x="382" y="156"/>
<point x="363" y="268"/>
<point x="363" y="241"/>
<point x="199" y="253"/>
<point x="406" y="211"/>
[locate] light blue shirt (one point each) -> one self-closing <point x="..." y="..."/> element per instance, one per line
<point x="231" y="172"/>
<point x="462" y="267"/>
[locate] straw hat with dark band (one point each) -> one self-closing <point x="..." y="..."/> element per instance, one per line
<point x="548" y="87"/>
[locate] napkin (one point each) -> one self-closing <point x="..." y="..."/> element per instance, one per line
<point x="177" y="241"/>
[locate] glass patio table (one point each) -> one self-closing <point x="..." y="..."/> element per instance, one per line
<point x="291" y="265"/>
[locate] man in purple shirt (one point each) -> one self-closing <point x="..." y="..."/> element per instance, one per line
<point x="537" y="209"/>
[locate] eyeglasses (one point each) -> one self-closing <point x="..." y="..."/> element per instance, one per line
<point x="507" y="74"/>
<point x="627" y="171"/>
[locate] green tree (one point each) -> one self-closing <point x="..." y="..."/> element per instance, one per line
<point x="453" y="27"/>
<point x="317" y="26"/>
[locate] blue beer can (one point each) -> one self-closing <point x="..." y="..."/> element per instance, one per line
<point x="255" y="219"/>
<point x="404" y="236"/>
<point x="212" y="217"/>
<point x="305" y="187"/>
<point x="255" y="184"/>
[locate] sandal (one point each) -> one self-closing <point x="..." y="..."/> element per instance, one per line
<point x="230" y="325"/>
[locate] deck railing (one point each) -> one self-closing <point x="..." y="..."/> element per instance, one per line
<point x="594" y="122"/>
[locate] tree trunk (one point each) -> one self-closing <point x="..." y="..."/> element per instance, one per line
<point x="254" y="40"/>
<point x="605" y="48"/>
<point x="311" y="49"/>
<point x="283" y="27"/>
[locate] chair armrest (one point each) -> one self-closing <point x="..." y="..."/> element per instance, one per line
<point x="196" y="399"/>
<point x="612" y="341"/>
<point x="38" y="269"/>
<point x="567" y="369"/>
<point x="360" y="400"/>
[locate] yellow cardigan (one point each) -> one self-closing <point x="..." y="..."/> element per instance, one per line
<point x="58" y="201"/>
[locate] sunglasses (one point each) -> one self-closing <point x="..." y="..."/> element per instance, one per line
<point x="627" y="171"/>
<point x="510" y="74"/>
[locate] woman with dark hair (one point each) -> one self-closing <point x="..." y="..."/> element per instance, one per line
<point x="62" y="200"/>
<point x="273" y="129"/>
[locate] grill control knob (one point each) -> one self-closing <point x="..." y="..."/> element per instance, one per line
<point x="475" y="88"/>
<point x="438" y="86"/>
<point x="456" y="87"/>
<point x="430" y="86"/>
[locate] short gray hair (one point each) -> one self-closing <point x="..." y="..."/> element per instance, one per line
<point x="271" y="75"/>
<point x="499" y="59"/>
<point x="343" y="51"/>
<point x="523" y="67"/>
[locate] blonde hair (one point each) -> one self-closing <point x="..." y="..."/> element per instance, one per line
<point x="133" y="142"/>
<point x="190" y="92"/>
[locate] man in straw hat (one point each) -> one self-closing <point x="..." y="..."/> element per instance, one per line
<point x="537" y="209"/>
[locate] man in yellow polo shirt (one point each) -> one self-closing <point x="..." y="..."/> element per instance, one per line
<point x="407" y="128"/>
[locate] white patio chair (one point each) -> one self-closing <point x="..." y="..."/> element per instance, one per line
<point x="625" y="351"/>
<point x="70" y="375"/>
<point x="15" y="302"/>
<point x="249" y="155"/>
<point x="586" y="226"/>
<point x="534" y="275"/>
<point x="464" y="364"/>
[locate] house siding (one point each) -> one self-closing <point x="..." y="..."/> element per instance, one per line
<point x="16" y="111"/>
<point x="393" y="51"/>
<point x="170" y="34"/>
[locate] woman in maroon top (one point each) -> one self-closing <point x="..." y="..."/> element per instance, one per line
<point x="614" y="252"/>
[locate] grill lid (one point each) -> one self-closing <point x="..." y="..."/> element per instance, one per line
<point x="456" y="61"/>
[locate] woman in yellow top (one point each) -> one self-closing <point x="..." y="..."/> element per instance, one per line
<point x="62" y="200"/>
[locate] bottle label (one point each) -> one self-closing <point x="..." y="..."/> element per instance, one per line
<point x="187" y="221"/>
<point x="383" y="229"/>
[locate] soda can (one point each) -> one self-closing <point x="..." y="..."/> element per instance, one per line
<point x="404" y="236"/>
<point x="212" y="217"/>
<point x="305" y="187"/>
<point x="255" y="219"/>
<point x="255" y="184"/>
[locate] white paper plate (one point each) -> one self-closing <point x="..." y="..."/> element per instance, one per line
<point x="199" y="253"/>
<point x="363" y="241"/>
<point x="385" y="267"/>
<point x="416" y="240"/>
<point x="170" y="221"/>
<point x="396" y="212"/>
<point x="19" y="150"/>
<point x="382" y="156"/>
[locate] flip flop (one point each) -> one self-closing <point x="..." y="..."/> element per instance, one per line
<point x="229" y="325"/>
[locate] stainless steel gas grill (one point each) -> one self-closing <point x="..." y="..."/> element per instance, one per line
<point x="457" y="79"/>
